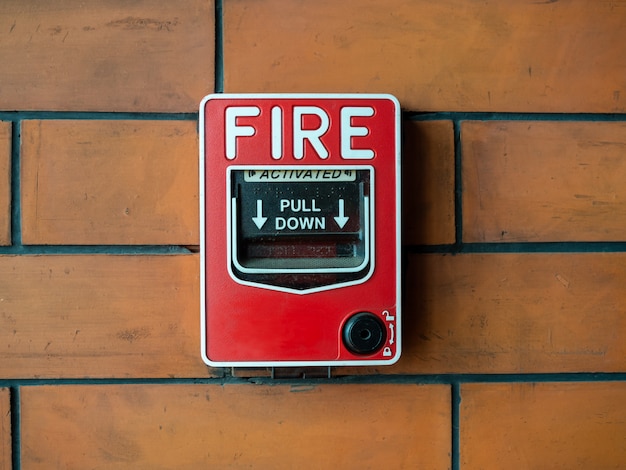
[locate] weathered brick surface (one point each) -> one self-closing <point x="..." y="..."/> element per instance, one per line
<point x="543" y="181"/>
<point x="515" y="313"/>
<point x="5" y="430"/>
<point x="5" y="183"/>
<point x="446" y="55"/>
<point x="236" y="426"/>
<point x="132" y="179"/>
<point x="543" y="425"/>
<point x="100" y="316"/>
<point x="106" y="56"/>
<point x="109" y="182"/>
<point x="428" y="183"/>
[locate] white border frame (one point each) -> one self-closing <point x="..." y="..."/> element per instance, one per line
<point x="369" y="226"/>
<point x="201" y="195"/>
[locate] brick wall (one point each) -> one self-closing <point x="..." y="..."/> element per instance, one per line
<point x="514" y="222"/>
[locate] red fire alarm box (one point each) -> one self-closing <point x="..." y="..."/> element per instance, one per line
<point x="300" y="229"/>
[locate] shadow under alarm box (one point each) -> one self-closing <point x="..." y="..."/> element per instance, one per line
<point x="300" y="229"/>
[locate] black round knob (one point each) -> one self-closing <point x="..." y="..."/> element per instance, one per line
<point x="364" y="333"/>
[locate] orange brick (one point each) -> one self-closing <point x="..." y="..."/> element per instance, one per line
<point x="545" y="425"/>
<point x="236" y="426"/>
<point x="110" y="182"/>
<point x="5" y="183"/>
<point x="512" y="313"/>
<point x="5" y="430"/>
<point x="106" y="56"/>
<point x="428" y="183"/>
<point x="100" y="316"/>
<point x="543" y="181"/>
<point x="445" y="55"/>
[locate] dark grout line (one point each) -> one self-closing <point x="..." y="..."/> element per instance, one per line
<point x="219" y="47"/>
<point x="16" y="211"/>
<point x="16" y="450"/>
<point x="458" y="186"/>
<point x="511" y="116"/>
<point x="456" y="426"/>
<point x="95" y="115"/>
<point x="225" y="377"/>
<point x="463" y="248"/>
<point x="520" y="247"/>
<point x="19" y="249"/>
<point x="457" y="117"/>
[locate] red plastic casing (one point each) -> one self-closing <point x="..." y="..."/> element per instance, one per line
<point x="243" y="324"/>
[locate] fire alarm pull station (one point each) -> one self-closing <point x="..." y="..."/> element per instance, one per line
<point x="300" y="229"/>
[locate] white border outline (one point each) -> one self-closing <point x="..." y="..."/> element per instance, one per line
<point x="201" y="195"/>
<point x="370" y="242"/>
<point x="330" y="269"/>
